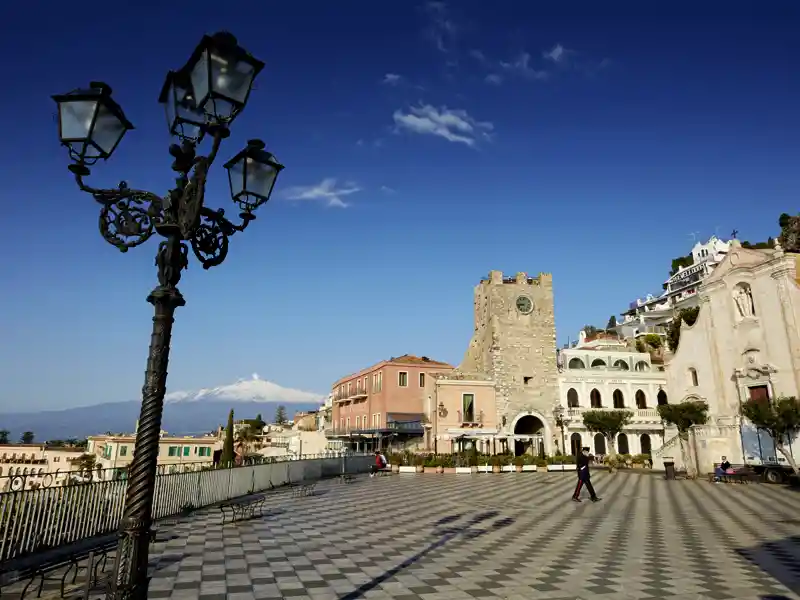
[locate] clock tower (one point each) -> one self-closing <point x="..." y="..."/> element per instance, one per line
<point x="514" y="343"/>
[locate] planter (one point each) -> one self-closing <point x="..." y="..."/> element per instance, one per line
<point x="406" y="469"/>
<point x="473" y="469"/>
<point x="529" y="468"/>
<point x="395" y="468"/>
<point x="507" y="469"/>
<point x="518" y="468"/>
<point x="420" y="469"/>
<point x="556" y="467"/>
<point x="440" y="469"/>
<point x="449" y="470"/>
<point x="463" y="470"/>
<point x="495" y="468"/>
<point x="569" y="467"/>
<point x="430" y="469"/>
<point x="484" y="468"/>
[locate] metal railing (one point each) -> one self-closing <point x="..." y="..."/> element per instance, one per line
<point x="42" y="518"/>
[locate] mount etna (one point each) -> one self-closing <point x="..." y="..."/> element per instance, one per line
<point x="185" y="413"/>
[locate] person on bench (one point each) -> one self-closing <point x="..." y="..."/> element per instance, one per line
<point x="378" y="465"/>
<point x="722" y="469"/>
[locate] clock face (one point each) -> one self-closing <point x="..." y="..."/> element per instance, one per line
<point x="524" y="305"/>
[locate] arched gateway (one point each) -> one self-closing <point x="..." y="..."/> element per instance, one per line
<point x="529" y="432"/>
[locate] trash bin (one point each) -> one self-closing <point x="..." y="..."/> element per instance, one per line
<point x="669" y="469"/>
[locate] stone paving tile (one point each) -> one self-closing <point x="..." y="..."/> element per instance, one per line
<point x="509" y="536"/>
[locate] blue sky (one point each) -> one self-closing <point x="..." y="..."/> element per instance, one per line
<point x="515" y="135"/>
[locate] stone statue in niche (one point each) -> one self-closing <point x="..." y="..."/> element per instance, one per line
<point x="743" y="297"/>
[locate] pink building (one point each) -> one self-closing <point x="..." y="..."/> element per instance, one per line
<point x="387" y="401"/>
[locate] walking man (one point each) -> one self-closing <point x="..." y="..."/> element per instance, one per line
<point x="584" y="479"/>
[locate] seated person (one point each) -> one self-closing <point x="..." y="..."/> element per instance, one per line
<point x="724" y="468"/>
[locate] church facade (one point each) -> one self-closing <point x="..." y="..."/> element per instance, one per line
<point x="503" y="393"/>
<point x="745" y="344"/>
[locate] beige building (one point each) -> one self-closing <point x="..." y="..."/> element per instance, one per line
<point x="605" y="374"/>
<point x="503" y="393"/>
<point x="174" y="453"/>
<point x="32" y="465"/>
<point x="744" y="344"/>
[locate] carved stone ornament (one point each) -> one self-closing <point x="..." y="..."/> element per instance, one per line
<point x="743" y="298"/>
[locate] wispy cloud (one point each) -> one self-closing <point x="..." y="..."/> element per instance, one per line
<point x="557" y="54"/>
<point x="387" y="190"/>
<point x="441" y="28"/>
<point x="521" y="66"/>
<point x="327" y="191"/>
<point x="392" y="79"/>
<point x="453" y="125"/>
<point x="494" y="79"/>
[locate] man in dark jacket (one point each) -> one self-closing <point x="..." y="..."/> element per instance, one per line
<point x="584" y="479"/>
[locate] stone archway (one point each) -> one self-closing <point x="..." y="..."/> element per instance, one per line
<point x="645" y="444"/>
<point x="599" y="444"/>
<point x="575" y="441"/>
<point x="533" y="426"/>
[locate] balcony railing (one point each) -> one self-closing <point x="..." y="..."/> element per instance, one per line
<point x="647" y="414"/>
<point x="34" y="520"/>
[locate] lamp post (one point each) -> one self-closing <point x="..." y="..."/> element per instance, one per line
<point x="202" y="99"/>
<point x="558" y="415"/>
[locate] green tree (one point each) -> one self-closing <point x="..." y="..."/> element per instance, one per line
<point x="27" y="437"/>
<point x="280" y="415"/>
<point x="608" y="423"/>
<point x="640" y="347"/>
<point x="683" y="416"/>
<point x="681" y="262"/>
<point x="612" y="322"/>
<point x="780" y="419"/>
<point x="686" y="315"/>
<point x="653" y="340"/>
<point x="85" y="462"/>
<point x="226" y="460"/>
<point x="4" y="433"/>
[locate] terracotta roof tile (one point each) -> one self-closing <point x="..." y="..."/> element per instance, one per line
<point x="407" y="359"/>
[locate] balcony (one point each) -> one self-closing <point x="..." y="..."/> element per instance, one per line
<point x="639" y="414"/>
<point x="358" y="394"/>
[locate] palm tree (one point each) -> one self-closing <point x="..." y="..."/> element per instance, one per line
<point x="244" y="438"/>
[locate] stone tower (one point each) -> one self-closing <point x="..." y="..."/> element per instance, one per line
<point x="514" y="343"/>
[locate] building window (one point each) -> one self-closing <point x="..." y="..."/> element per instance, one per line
<point x="186" y="450"/>
<point x="572" y="398"/>
<point x="693" y="377"/>
<point x="402" y="379"/>
<point x="468" y="408"/>
<point x="661" y="398"/>
<point x="527" y="379"/>
<point x="123" y="451"/>
<point x="596" y="399"/>
<point x="380" y="381"/>
<point x="641" y="367"/>
<point x="173" y="451"/>
<point x="598" y="363"/>
<point x="348" y="423"/>
<point x="348" y="389"/>
<point x="576" y="363"/>
<point x="422" y="380"/>
<point x="619" y="401"/>
<point x="641" y="402"/>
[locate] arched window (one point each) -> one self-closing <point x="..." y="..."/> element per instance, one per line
<point x="596" y="399"/>
<point x="598" y="363"/>
<point x="641" y="366"/>
<point x="619" y="399"/>
<point x="576" y="363"/>
<point x="621" y="365"/>
<point x="661" y="397"/>
<point x="572" y="398"/>
<point x="575" y="442"/>
<point x="641" y="399"/>
<point x="693" y="377"/>
<point x="644" y="443"/>
<point x="622" y="444"/>
<point x="599" y="444"/>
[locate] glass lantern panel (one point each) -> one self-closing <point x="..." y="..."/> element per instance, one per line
<point x="76" y="118"/>
<point x="199" y="77"/>
<point x="260" y="179"/>
<point x="236" y="177"/>
<point x="220" y="108"/>
<point x="231" y="79"/>
<point x="108" y="130"/>
<point x="169" y="108"/>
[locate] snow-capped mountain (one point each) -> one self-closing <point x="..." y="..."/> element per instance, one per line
<point x="254" y="389"/>
<point x="185" y="412"/>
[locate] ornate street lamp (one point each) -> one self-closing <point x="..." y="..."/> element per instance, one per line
<point x="558" y="415"/>
<point x="201" y="99"/>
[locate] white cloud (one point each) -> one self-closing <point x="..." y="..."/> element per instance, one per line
<point x="387" y="190"/>
<point x="441" y="29"/>
<point x="558" y="54"/>
<point x="453" y="125"/>
<point x="521" y="66"/>
<point x="392" y="79"/>
<point x="327" y="190"/>
<point x="494" y="79"/>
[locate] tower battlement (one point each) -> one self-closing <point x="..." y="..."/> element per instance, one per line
<point x="521" y="278"/>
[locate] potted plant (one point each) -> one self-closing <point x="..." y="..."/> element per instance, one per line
<point x="519" y="461"/>
<point x="395" y="460"/>
<point x="497" y="463"/>
<point x="419" y="463"/>
<point x="448" y="466"/>
<point x="407" y="465"/>
<point x="430" y="464"/>
<point x="612" y="462"/>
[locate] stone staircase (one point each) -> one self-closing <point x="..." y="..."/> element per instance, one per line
<point x="672" y="449"/>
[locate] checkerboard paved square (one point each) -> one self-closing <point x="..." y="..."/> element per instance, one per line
<point x="513" y="536"/>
